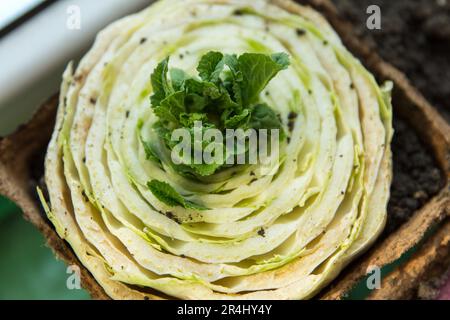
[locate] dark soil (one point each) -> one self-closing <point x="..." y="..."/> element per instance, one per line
<point x="415" y="37"/>
<point x="416" y="176"/>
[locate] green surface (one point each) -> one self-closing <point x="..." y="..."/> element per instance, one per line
<point x="361" y="290"/>
<point x="6" y="208"/>
<point x="28" y="269"/>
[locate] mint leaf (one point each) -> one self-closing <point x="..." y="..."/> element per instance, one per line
<point x="195" y="100"/>
<point x="224" y="95"/>
<point x="164" y="133"/>
<point x="234" y="78"/>
<point x="194" y="86"/>
<point x="149" y="152"/>
<point x="171" y="107"/>
<point x="210" y="66"/>
<point x="211" y="90"/>
<point x="282" y="59"/>
<point x="178" y="77"/>
<point x="195" y="170"/>
<point x="238" y="120"/>
<point x="231" y="60"/>
<point x="263" y="117"/>
<point x="161" y="87"/>
<point x="257" y="71"/>
<point x="165" y="193"/>
<point x="188" y="120"/>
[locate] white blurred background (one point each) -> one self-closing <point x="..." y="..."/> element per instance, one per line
<point x="35" y="51"/>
